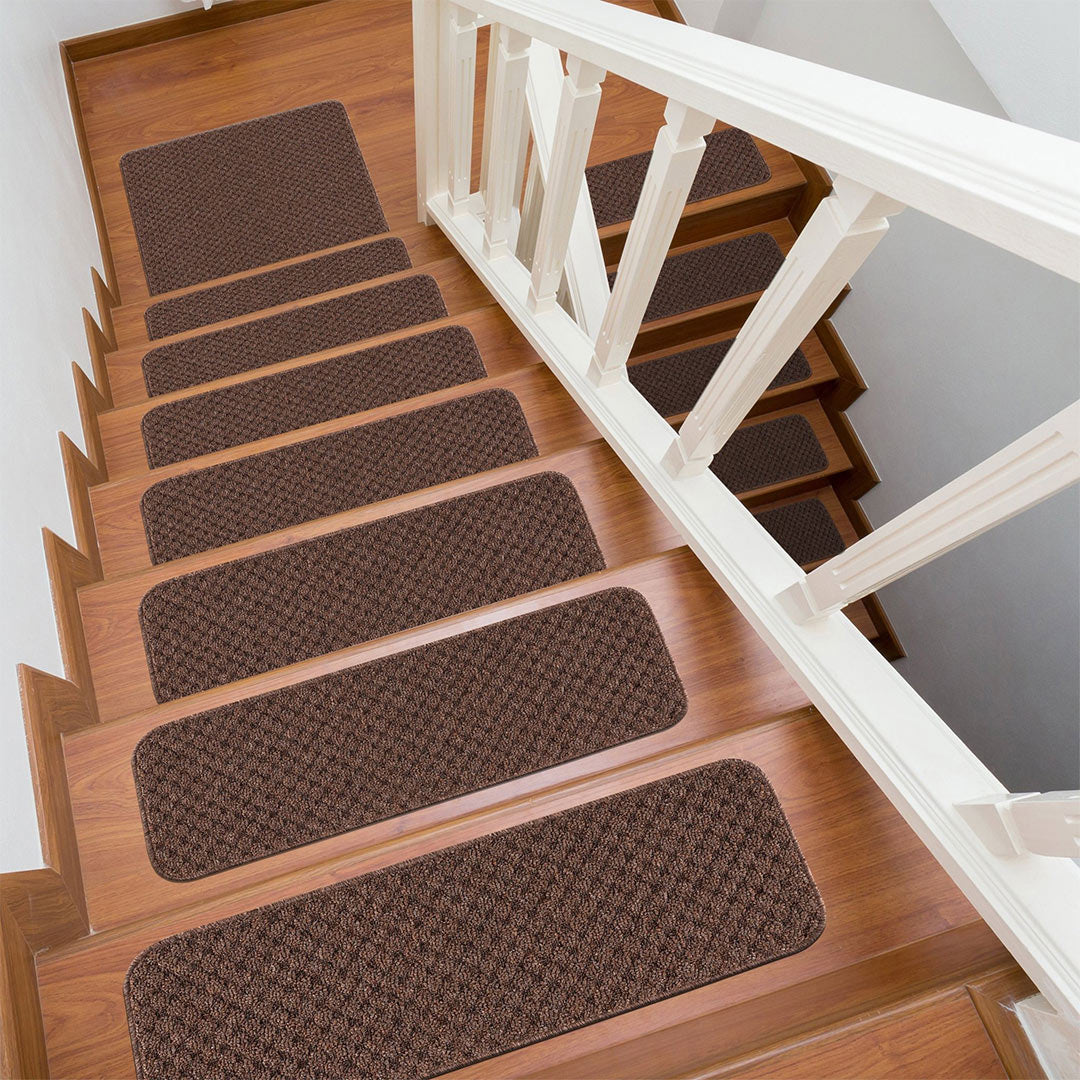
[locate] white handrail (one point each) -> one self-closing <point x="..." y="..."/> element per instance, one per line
<point x="1007" y="184"/>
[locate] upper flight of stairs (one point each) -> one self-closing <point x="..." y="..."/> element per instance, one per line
<point x="903" y="958"/>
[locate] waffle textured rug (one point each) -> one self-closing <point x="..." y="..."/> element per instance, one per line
<point x="263" y="612"/>
<point x="249" y="194"/>
<point x="465" y="953"/>
<point x="337" y="753"/>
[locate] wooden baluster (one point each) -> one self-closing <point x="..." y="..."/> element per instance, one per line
<point x="531" y="202"/>
<point x="489" y="109"/>
<point x="842" y="232"/>
<point x="507" y="109"/>
<point x="675" y="159"/>
<point x="1036" y="466"/>
<point x="578" y="105"/>
<point x="426" y="26"/>
<point x="459" y="91"/>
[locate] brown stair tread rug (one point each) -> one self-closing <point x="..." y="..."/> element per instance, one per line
<point x="731" y="161"/>
<point x="263" y="612"/>
<point x="322" y="758"/>
<point x="326" y="324"/>
<point x="311" y="394"/>
<point x="769" y="452"/>
<point x="249" y="194"/>
<point x="210" y="508"/>
<point x="462" y="954"/>
<point x="294" y="282"/>
<point x="805" y="530"/>
<point x="672" y="384"/>
<point x="714" y="273"/>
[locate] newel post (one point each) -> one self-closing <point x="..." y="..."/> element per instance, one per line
<point x="674" y="164"/>
<point x="841" y="233"/>
<point x="458" y="65"/>
<point x="578" y="105"/>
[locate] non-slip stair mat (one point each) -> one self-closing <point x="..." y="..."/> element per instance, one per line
<point x="326" y="324"/>
<point x="249" y="194"/>
<point x="673" y="384"/>
<point x="731" y="162"/>
<point x="714" y="273"/>
<point x="209" y="508"/>
<point x="462" y="954"/>
<point x="263" y="612"/>
<point x="293" y="282"/>
<point x="805" y="530"/>
<point x="310" y="394"/>
<point x="334" y="754"/>
<point x="769" y="452"/>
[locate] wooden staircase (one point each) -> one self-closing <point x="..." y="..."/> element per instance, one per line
<point x="906" y="981"/>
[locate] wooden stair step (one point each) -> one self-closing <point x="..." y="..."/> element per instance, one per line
<point x="731" y="678"/>
<point x="423" y="247"/>
<point x="461" y="292"/>
<point x="499" y="343"/>
<point x="881" y="888"/>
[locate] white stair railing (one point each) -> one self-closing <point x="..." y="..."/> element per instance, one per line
<point x="1011" y="186"/>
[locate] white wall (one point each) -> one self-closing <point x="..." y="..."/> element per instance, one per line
<point x="48" y="244"/>
<point x="964" y="347"/>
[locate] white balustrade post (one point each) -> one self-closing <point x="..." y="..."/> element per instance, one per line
<point x="1036" y="466"/>
<point x="1016" y="824"/>
<point x="425" y="27"/>
<point x="675" y="159"/>
<point x="459" y="91"/>
<point x="531" y="203"/>
<point x="506" y="107"/>
<point x="489" y="98"/>
<point x="840" y="234"/>
<point x="578" y="105"/>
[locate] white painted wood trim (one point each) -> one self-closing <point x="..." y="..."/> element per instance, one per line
<point x="1030" y="901"/>
<point x="506" y="107"/>
<point x="1034" y="467"/>
<point x="425" y="32"/>
<point x="840" y="234"/>
<point x="460" y="93"/>
<point x="1046" y="823"/>
<point x="1008" y="184"/>
<point x="676" y="156"/>
<point x="578" y="105"/>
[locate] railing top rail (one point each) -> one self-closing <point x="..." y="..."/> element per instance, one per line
<point x="1010" y="185"/>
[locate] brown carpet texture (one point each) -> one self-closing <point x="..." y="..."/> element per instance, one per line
<point x="249" y="194"/>
<point x="465" y="953"/>
<point x="673" y="384"/>
<point x="769" y="452"/>
<point x="294" y="282"/>
<point x="315" y="760"/>
<point x="209" y="508"/>
<point x="326" y="324"/>
<point x="263" y="612"/>
<point x="805" y="530"/>
<point x="311" y="394"/>
<point x="731" y="161"/>
<point x="711" y="274"/>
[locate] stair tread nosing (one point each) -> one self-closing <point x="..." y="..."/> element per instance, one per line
<point x="432" y="964"/>
<point x="325" y="390"/>
<point x="731" y="161"/>
<point x="299" y="280"/>
<point x="326" y="324"/>
<point x="712" y="274"/>
<point x="249" y="194"/>
<point x="337" y="753"/>
<point x="266" y="611"/>
<point x="673" y="384"/>
<point x="209" y="508"/>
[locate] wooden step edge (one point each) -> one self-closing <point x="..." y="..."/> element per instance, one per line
<point x="129" y="319"/>
<point x="358" y="848"/>
<point x="699" y="1047"/>
<point x="994" y="996"/>
<point x="455" y="265"/>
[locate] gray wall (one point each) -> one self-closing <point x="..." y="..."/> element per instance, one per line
<point x="964" y="348"/>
